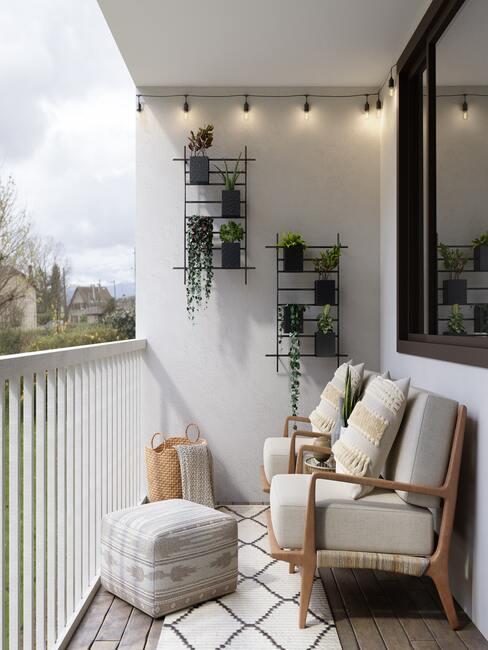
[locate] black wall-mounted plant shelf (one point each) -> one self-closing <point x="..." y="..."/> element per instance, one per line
<point x="309" y="332"/>
<point x="216" y="181"/>
<point x="473" y="297"/>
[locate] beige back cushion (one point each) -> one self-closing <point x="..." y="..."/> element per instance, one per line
<point x="421" y="450"/>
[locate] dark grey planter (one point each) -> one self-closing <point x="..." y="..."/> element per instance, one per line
<point x="480" y="254"/>
<point x="325" y="292"/>
<point x="481" y="318"/>
<point x="455" y="292"/>
<point x="293" y="258"/>
<point x="231" y="255"/>
<point x="231" y="203"/>
<point x="324" y="344"/>
<point x="199" y="170"/>
<point x="287" y="321"/>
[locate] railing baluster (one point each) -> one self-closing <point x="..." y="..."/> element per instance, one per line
<point x="14" y="511"/>
<point x="3" y="559"/>
<point x="70" y="501"/>
<point x="85" y="437"/>
<point x="40" y="538"/>
<point x="93" y="468"/>
<point x="78" y="484"/>
<point x="98" y="463"/>
<point x="28" y="630"/>
<point x="51" y="507"/>
<point x="61" y="504"/>
<point x="118" y="437"/>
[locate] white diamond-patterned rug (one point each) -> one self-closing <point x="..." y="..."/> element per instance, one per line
<point x="263" y="613"/>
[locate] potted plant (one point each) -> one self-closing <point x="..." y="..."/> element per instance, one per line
<point x="324" y="264"/>
<point x="295" y="327"/>
<point x="325" y="335"/>
<point x="480" y="252"/>
<point x="455" y="325"/>
<point x="293" y="246"/>
<point x="199" y="242"/>
<point x="351" y="398"/>
<point x="455" y="289"/>
<point x="198" y="145"/>
<point x="292" y="318"/>
<point x="481" y="318"/>
<point x="231" y="234"/>
<point x="231" y="198"/>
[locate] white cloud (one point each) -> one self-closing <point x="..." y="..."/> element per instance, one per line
<point x="67" y="131"/>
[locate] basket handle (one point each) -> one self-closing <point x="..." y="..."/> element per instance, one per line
<point x="192" y="424"/>
<point x="152" y="439"/>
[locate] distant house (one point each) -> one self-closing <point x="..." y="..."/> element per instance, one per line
<point x="88" y="304"/>
<point x="18" y="300"/>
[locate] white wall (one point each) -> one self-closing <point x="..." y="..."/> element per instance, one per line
<point x="319" y="177"/>
<point x="467" y="384"/>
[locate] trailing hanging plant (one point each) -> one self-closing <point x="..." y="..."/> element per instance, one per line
<point x="290" y="239"/>
<point x="296" y="313"/>
<point x="327" y="261"/>
<point x="455" y="324"/>
<point x="203" y="140"/>
<point x="200" y="262"/>
<point x="325" y="324"/>
<point x="231" y="232"/>
<point x="230" y="178"/>
<point x="482" y="240"/>
<point x="351" y="398"/>
<point x="454" y="260"/>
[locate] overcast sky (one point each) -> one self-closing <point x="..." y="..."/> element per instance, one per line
<point x="67" y="131"/>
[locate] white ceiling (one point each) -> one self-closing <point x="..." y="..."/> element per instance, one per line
<point x="261" y="42"/>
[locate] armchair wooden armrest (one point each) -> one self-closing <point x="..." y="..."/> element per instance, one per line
<point x="294" y="418"/>
<point x="291" y="457"/>
<point x="313" y="448"/>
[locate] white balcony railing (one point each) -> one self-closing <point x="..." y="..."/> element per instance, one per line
<point x="70" y="452"/>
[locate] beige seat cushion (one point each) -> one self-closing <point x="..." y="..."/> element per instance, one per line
<point x="276" y="453"/>
<point x="379" y="522"/>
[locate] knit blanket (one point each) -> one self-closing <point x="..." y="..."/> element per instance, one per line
<point x="196" y="473"/>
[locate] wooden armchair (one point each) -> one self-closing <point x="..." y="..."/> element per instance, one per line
<point x="313" y="554"/>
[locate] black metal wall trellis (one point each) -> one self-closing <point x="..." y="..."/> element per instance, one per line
<point x="197" y="202"/>
<point x="280" y="289"/>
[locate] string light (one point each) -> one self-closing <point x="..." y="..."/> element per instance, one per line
<point x="139" y="105"/>
<point x="246" y="108"/>
<point x="366" y="107"/>
<point x="379" y="106"/>
<point x="465" y="108"/>
<point x="306" y="107"/>
<point x="186" y="108"/>
<point x="391" y="84"/>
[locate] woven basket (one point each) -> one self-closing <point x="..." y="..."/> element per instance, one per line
<point x="163" y="465"/>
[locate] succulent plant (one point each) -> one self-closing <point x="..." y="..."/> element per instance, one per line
<point x="324" y="321"/>
<point x="454" y="260"/>
<point x="482" y="240"/>
<point x="231" y="232"/>
<point x="290" y="239"/>
<point x="455" y="324"/>
<point x="327" y="261"/>
<point x="351" y="398"/>
<point x="230" y="178"/>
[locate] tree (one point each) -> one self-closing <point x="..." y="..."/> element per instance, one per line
<point x="50" y="275"/>
<point x="16" y="250"/>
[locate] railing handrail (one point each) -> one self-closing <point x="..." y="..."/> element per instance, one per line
<point x="15" y="364"/>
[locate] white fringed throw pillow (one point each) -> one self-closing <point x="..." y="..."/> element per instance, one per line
<point x="324" y="417"/>
<point x="365" y="443"/>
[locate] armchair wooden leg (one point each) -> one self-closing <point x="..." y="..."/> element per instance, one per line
<point x="441" y="581"/>
<point x="308" y="575"/>
<point x="291" y="567"/>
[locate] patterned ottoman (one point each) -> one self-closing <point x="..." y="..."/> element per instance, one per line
<point x="167" y="555"/>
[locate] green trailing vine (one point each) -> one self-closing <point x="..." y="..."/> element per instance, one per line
<point x="296" y="312"/>
<point x="199" y="242"/>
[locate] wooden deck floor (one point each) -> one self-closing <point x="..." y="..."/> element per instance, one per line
<point x="372" y="611"/>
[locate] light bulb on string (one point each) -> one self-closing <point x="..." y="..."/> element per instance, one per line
<point x="246" y="108"/>
<point x="186" y="108"/>
<point x="306" y="108"/>
<point x="366" y="107"/>
<point x="139" y="105"/>
<point x="379" y="106"/>
<point x="465" y="108"/>
<point x="391" y="84"/>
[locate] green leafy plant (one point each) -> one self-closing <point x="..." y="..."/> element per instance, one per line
<point x="290" y="239"/>
<point x="231" y="232"/>
<point x="482" y="240"/>
<point x="122" y="320"/>
<point x="199" y="242"/>
<point x="230" y="178"/>
<point x="201" y="141"/>
<point x="454" y="260"/>
<point x="325" y="324"/>
<point x="294" y="352"/>
<point x="351" y="398"/>
<point x="327" y="261"/>
<point x="455" y="324"/>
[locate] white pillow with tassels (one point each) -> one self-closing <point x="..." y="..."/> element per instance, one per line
<point x="324" y="417"/>
<point x="365" y="443"/>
